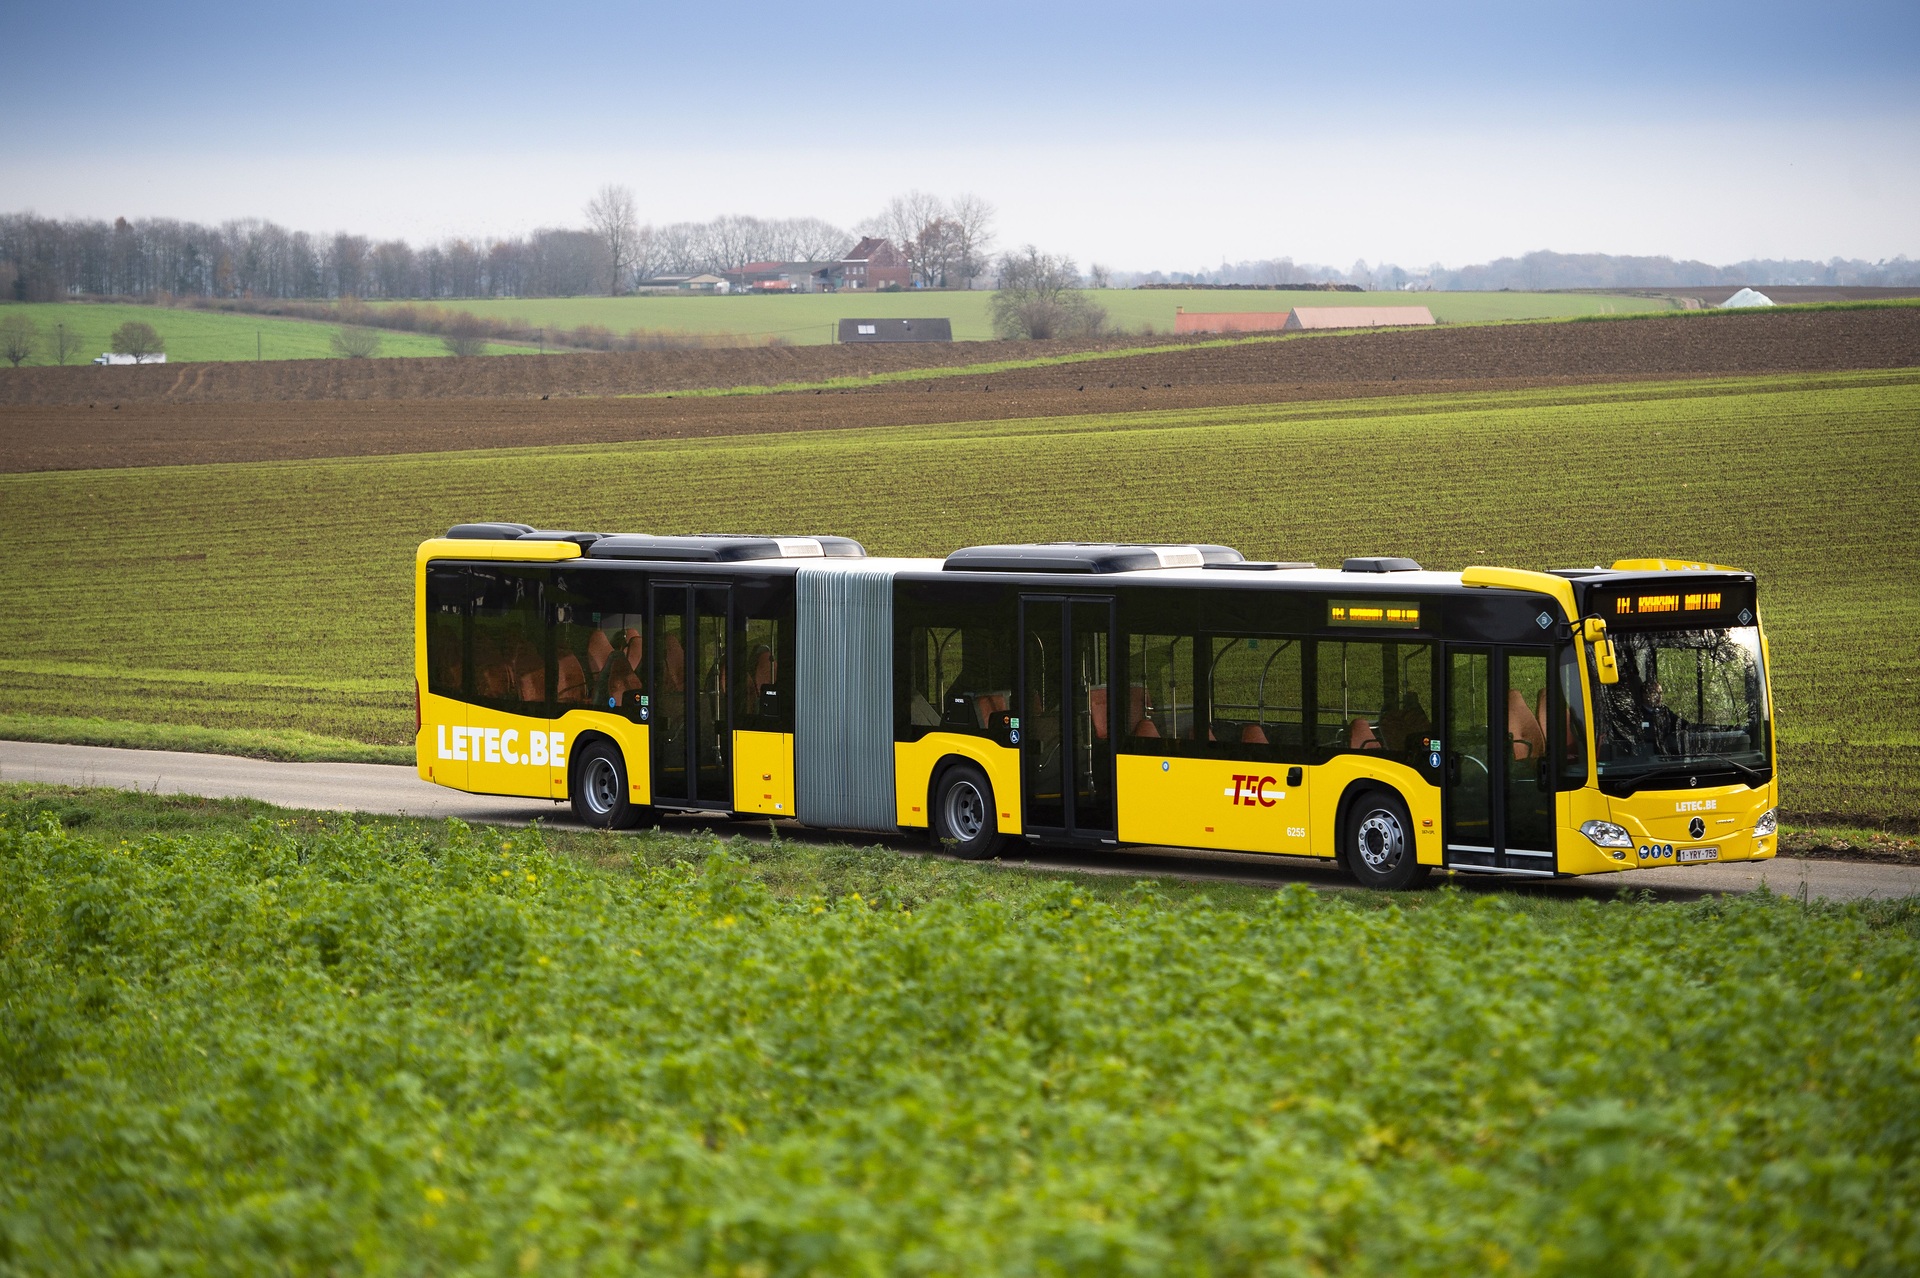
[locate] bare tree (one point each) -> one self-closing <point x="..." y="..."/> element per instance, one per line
<point x="138" y="339"/>
<point x="1040" y="297"/>
<point x="905" y="221"/>
<point x="355" y="341"/>
<point x="611" y="215"/>
<point x="971" y="219"/>
<point x="1099" y="276"/>
<point x="347" y="260"/>
<point x="812" y="239"/>
<point x="18" y="337"/>
<point x="65" y="342"/>
<point x="464" y="335"/>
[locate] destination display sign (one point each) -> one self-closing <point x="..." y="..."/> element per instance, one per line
<point x="1676" y="605"/>
<point x="1397" y="614"/>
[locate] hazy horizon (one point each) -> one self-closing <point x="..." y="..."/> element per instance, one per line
<point x="1144" y="137"/>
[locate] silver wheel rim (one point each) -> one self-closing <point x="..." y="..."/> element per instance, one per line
<point x="966" y="811"/>
<point x="1381" y="841"/>
<point x="601" y="785"/>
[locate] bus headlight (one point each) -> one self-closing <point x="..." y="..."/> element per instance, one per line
<point x="1769" y="822"/>
<point x="1605" y="834"/>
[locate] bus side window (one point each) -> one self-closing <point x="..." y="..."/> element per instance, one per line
<point x="509" y="640"/>
<point x="1374" y="695"/>
<point x="1160" y="705"/>
<point x="762" y="699"/>
<point x="1257" y="691"/>
<point x="935" y="657"/>
<point x="447" y="591"/>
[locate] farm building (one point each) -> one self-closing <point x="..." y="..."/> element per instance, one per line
<point x="780" y="277"/>
<point x="872" y="264"/>
<point x="1229" y="321"/>
<point x="896" y="330"/>
<point x="1310" y="318"/>
<point x="684" y="284"/>
<point x="117" y="357"/>
<point x="1298" y="319"/>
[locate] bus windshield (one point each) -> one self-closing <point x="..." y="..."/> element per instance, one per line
<point x="1689" y="704"/>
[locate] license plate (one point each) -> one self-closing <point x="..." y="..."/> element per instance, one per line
<point x="1699" y="854"/>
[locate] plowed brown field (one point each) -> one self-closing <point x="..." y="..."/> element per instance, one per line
<point x="63" y="419"/>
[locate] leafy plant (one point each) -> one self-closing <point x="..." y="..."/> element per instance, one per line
<point x="335" y="1046"/>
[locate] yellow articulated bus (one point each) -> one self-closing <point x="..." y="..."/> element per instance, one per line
<point x="1396" y="720"/>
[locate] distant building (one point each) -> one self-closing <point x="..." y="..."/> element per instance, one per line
<point x="871" y="265"/>
<point x="684" y="284"/>
<point x="896" y="330"/>
<point x="1311" y="318"/>
<point x="1298" y="319"/>
<point x="780" y="277"/>
<point x="1229" y="321"/>
<point x="116" y="357"/>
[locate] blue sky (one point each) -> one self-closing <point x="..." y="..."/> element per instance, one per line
<point x="1163" y="135"/>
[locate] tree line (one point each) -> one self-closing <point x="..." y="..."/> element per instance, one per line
<point x="1546" y="270"/>
<point x="46" y="259"/>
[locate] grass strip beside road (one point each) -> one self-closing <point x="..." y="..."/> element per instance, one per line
<point x="286" y="745"/>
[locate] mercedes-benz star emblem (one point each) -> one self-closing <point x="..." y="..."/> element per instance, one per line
<point x="1696" y="827"/>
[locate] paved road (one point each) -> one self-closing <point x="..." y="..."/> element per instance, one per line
<point x="397" y="791"/>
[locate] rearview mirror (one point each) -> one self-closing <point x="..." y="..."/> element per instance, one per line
<point x="1604" y="662"/>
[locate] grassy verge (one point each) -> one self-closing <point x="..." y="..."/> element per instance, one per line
<point x="196" y="336"/>
<point x="278" y="1043"/>
<point x="284" y="744"/>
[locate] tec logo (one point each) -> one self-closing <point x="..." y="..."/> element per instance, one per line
<point x="1251" y="790"/>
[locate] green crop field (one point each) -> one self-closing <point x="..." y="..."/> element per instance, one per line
<point x="305" y="1045"/>
<point x="275" y="596"/>
<point x="199" y="336"/>
<point x="808" y="319"/>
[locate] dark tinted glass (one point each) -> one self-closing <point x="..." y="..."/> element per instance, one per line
<point x="953" y="660"/>
<point x="448" y="592"/>
<point x="509" y="639"/>
<point x="1375" y="695"/>
<point x="599" y="640"/>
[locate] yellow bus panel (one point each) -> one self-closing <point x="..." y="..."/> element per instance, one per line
<point x="1210" y="803"/>
<point x="635" y="748"/>
<point x="443" y="723"/>
<point x="1330" y="780"/>
<point x="914" y="762"/>
<point x="763" y="773"/>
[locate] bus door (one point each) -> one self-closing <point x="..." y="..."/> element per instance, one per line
<point x="1065" y="724"/>
<point x="1499" y="807"/>
<point x="689" y="718"/>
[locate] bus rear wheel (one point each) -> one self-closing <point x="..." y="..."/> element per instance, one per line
<point x="600" y="789"/>
<point x="1376" y="847"/>
<point x="964" y="817"/>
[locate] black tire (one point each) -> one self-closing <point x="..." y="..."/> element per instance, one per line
<point x="600" y="789"/>
<point x="1376" y="843"/>
<point x="965" y="819"/>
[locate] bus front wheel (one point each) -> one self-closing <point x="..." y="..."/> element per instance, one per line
<point x="600" y="789"/>
<point x="1376" y="847"/>
<point x="964" y="818"/>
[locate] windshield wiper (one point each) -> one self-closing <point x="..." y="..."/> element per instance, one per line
<point x="1751" y="775"/>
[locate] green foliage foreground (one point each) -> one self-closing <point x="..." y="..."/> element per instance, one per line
<point x="305" y="1049"/>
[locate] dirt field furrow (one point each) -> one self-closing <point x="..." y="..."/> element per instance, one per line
<point x="204" y="413"/>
